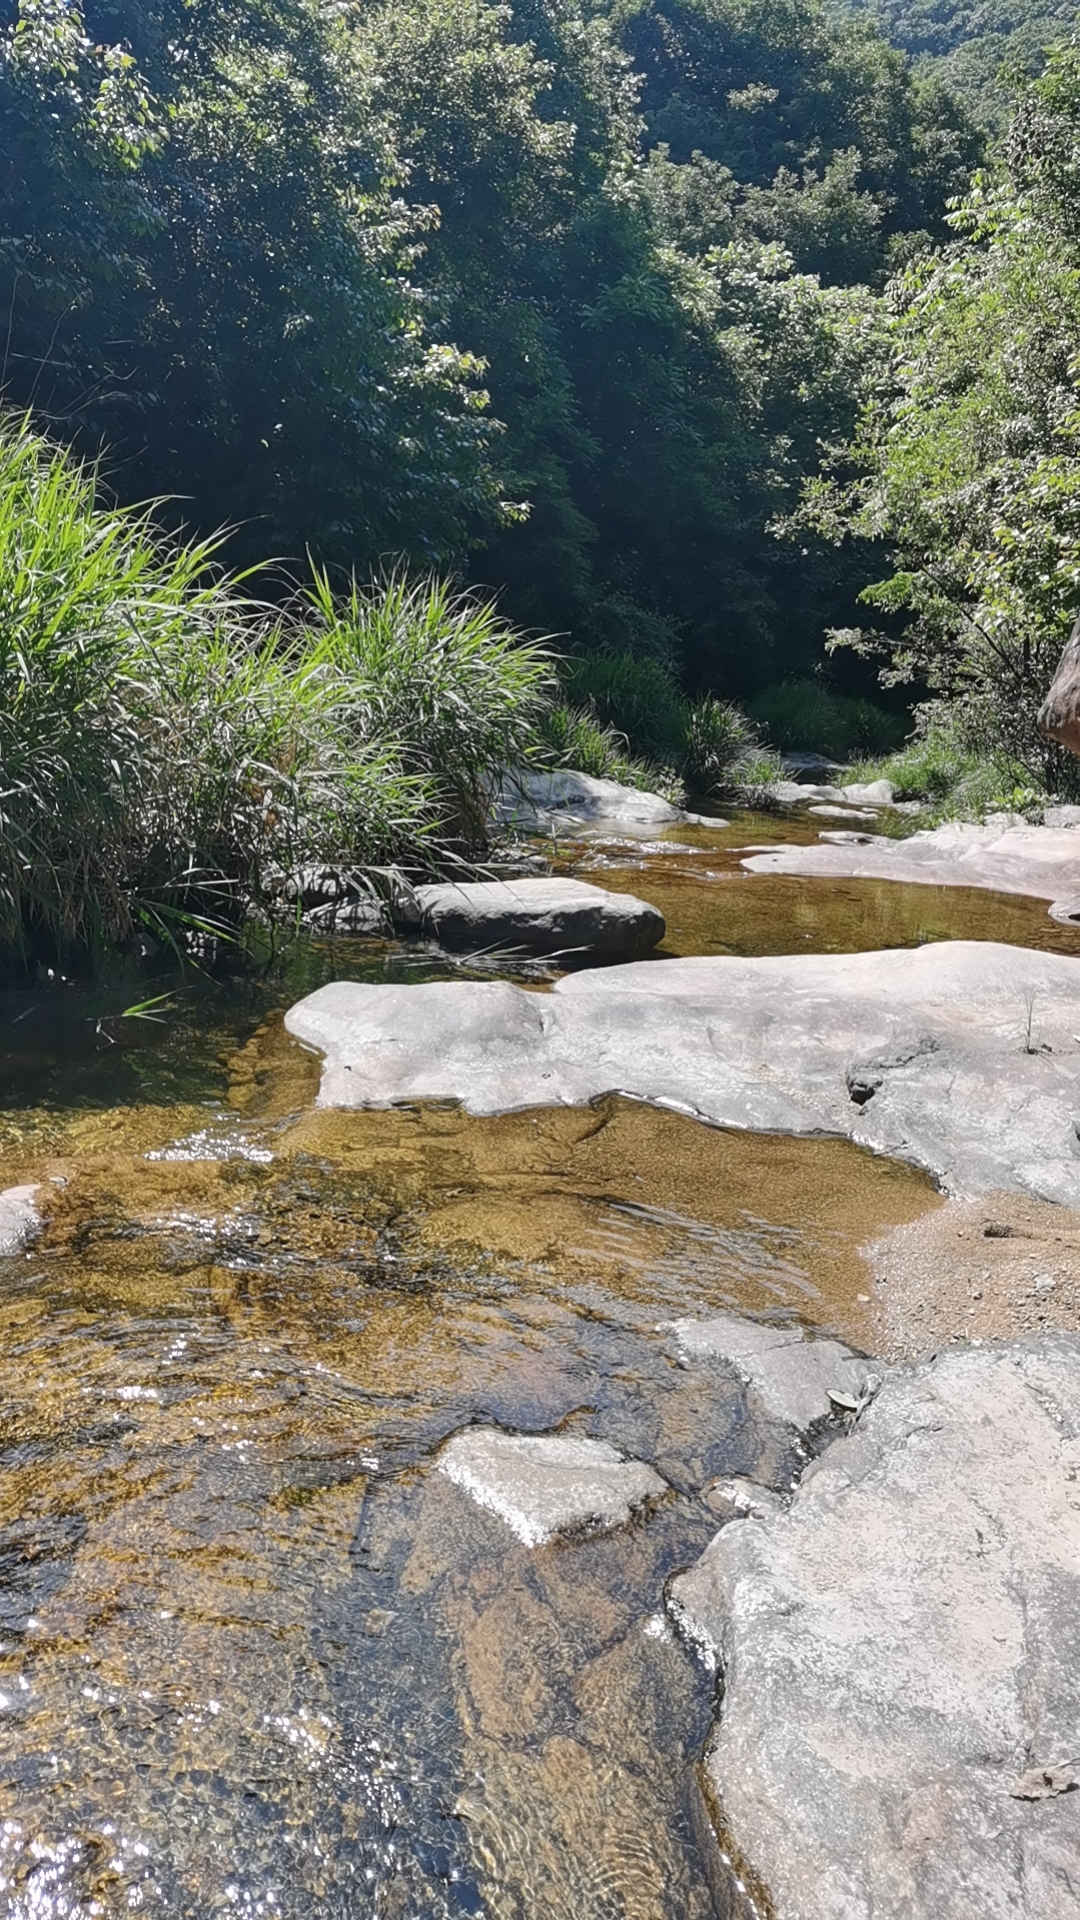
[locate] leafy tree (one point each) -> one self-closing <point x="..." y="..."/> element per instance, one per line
<point x="800" y="109"/>
<point x="967" y="459"/>
<point x="983" y="53"/>
<point x="213" y="278"/>
<point x="570" y="253"/>
<point x="570" y="293"/>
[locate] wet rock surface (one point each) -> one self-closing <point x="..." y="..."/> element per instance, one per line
<point x="1043" y="862"/>
<point x="535" y="916"/>
<point x="962" y="1057"/>
<point x="547" y="1484"/>
<point x="900" y="1646"/>
<point x="796" y="1381"/>
<point x="20" y="1220"/>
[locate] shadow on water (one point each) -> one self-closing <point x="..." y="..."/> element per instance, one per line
<point x="257" y="1654"/>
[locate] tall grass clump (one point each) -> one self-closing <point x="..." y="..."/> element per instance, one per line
<point x="574" y="737"/>
<point x="102" y="807"/>
<point x="624" y="717"/>
<point x="954" y="777"/>
<point x="632" y="695"/>
<point x="169" y="748"/>
<point x="439" y="672"/>
<point x="724" y="755"/>
<point x="804" y="714"/>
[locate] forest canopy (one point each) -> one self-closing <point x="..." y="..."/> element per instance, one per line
<point x="569" y="297"/>
<point x="578" y="301"/>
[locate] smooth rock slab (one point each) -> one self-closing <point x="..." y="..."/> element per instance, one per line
<point x="844" y="813"/>
<point x="1043" y="862"/>
<point x="790" y="1377"/>
<point x="797" y="793"/>
<point x="536" y="916"/>
<point x="902" y="1644"/>
<point x="561" y="800"/>
<point x="20" y="1220"/>
<point x="921" y="1054"/>
<point x="547" y="1484"/>
<point x="870" y="793"/>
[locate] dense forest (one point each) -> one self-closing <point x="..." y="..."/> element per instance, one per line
<point x="723" y="340"/>
<point x="561" y="294"/>
<point x="984" y="53"/>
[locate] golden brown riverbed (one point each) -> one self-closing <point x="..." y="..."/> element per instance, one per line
<point x="256" y="1656"/>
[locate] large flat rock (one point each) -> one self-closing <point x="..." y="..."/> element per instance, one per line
<point x="1042" y="862"/>
<point x="536" y="916"/>
<point x="545" y="1484"/>
<point x="902" y="1644"/>
<point x="961" y="1057"/>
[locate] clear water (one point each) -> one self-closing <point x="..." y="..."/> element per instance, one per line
<point x="257" y="1656"/>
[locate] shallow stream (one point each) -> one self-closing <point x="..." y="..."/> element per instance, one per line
<point x="257" y="1655"/>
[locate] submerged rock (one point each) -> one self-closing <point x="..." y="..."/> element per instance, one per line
<point x="547" y="1484"/>
<point x="536" y="916"/>
<point x="843" y="813"/>
<point x="1043" y="862"/>
<point x="961" y="1056"/>
<point x="20" y="1220"/>
<point x="899" y="1651"/>
<point x="794" y="1380"/>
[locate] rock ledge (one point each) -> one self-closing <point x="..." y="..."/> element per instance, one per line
<point x="901" y="1645"/>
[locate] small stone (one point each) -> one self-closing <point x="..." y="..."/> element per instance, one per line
<point x="1043" y="1283"/>
<point x="737" y="1498"/>
<point x="545" y="1484"/>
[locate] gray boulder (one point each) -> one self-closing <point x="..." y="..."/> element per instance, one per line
<point x="961" y="1056"/>
<point x="870" y="793"/>
<point x="899" y="1651"/>
<point x="561" y="800"/>
<point x="535" y="916"/>
<point x="547" y="1484"/>
<point x="1066" y="912"/>
<point x="1059" y="716"/>
<point x="20" y="1220"/>
<point x="797" y="793"/>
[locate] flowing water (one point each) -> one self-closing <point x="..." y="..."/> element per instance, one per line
<point x="257" y="1654"/>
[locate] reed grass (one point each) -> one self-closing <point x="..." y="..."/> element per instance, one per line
<point x="169" y="747"/>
